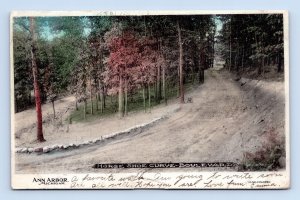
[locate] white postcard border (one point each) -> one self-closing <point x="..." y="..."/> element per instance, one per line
<point x="191" y="180"/>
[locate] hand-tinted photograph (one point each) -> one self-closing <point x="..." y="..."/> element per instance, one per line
<point x="149" y="100"/>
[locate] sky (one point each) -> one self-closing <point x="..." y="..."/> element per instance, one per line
<point x="219" y="25"/>
<point x="46" y="32"/>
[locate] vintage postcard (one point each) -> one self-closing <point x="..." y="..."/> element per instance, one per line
<point x="150" y="99"/>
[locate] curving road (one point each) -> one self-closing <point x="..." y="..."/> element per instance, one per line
<point x="224" y="120"/>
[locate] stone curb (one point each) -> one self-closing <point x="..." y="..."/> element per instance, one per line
<point x="136" y="129"/>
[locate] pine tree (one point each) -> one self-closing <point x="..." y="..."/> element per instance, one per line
<point x="40" y="136"/>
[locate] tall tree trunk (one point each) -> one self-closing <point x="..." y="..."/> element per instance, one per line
<point x="243" y="59"/>
<point x="178" y="88"/>
<point x="161" y="70"/>
<point x="158" y="85"/>
<point x="116" y="102"/>
<point x="101" y="101"/>
<point x="192" y="67"/>
<point x="97" y="99"/>
<point x="29" y="97"/>
<point x="16" y="107"/>
<point x="91" y="99"/>
<point x="230" y="46"/>
<point x="121" y="97"/>
<point x="126" y="97"/>
<point x="279" y="65"/>
<point x="101" y="85"/>
<point x="263" y="58"/>
<point x="155" y="91"/>
<point x="144" y="98"/>
<point x="200" y="67"/>
<point x="53" y="107"/>
<point x="147" y="93"/>
<point x="180" y="63"/>
<point x="164" y="83"/>
<point x="236" y="65"/>
<point x="76" y="104"/>
<point x="38" y="106"/>
<point x="260" y="59"/>
<point x="101" y="96"/>
<point x="104" y="97"/>
<point x="149" y="100"/>
<point x="84" y="109"/>
<point x="213" y="50"/>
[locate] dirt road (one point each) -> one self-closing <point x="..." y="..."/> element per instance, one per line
<point x="224" y="120"/>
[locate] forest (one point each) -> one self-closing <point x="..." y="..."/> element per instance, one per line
<point x="116" y="64"/>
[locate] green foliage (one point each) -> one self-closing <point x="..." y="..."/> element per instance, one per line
<point x="22" y="71"/>
<point x="252" y="41"/>
<point x="71" y="52"/>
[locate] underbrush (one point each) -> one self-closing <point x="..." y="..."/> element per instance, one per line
<point x="269" y="73"/>
<point x="270" y="156"/>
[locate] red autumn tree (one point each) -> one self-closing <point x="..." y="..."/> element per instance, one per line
<point x="145" y="74"/>
<point x="123" y="58"/>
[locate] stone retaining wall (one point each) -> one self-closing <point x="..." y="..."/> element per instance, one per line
<point x="133" y="130"/>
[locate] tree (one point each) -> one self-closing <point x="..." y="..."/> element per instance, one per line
<point x="252" y="41"/>
<point x="124" y="55"/>
<point x="67" y="42"/>
<point x="22" y="61"/>
<point x="51" y="82"/>
<point x="98" y="27"/>
<point x="40" y="136"/>
<point x="97" y="56"/>
<point x="146" y="73"/>
<point x="22" y="67"/>
<point x="80" y="78"/>
<point x="181" y="90"/>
